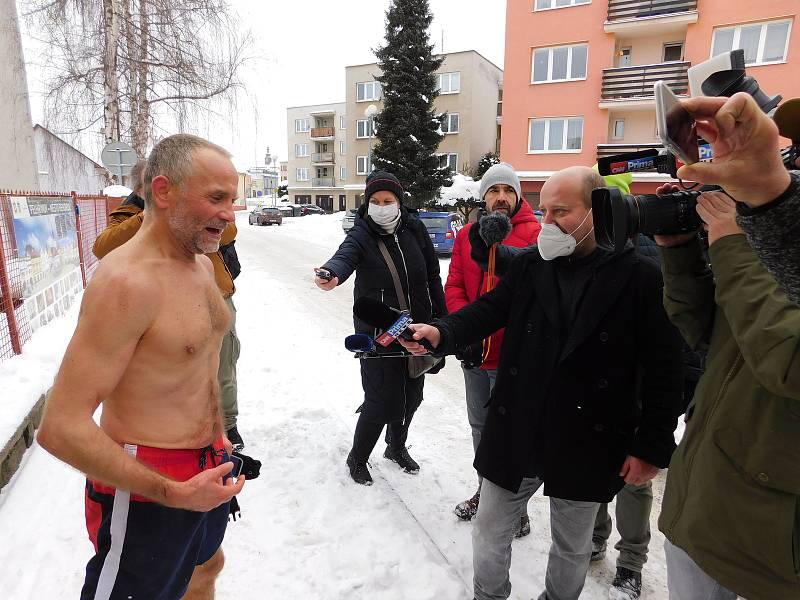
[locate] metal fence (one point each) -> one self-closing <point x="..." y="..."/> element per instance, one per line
<point x="43" y="236"/>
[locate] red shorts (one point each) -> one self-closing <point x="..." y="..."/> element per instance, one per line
<point x="144" y="549"/>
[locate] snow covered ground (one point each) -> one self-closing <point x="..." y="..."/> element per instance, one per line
<point x="307" y="531"/>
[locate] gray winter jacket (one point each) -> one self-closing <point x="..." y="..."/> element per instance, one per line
<point x="773" y="231"/>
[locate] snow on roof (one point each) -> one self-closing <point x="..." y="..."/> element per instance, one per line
<point x="463" y="187"/>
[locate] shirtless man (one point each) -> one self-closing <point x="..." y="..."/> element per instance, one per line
<point x="157" y="467"/>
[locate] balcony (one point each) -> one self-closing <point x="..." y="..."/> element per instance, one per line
<point x="604" y="150"/>
<point x="650" y="16"/>
<point x="319" y="158"/>
<point x="632" y="87"/>
<point x="322" y="182"/>
<point x="323" y="133"/>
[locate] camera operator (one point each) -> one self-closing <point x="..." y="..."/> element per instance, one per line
<point x="731" y="509"/>
<point x="748" y="166"/>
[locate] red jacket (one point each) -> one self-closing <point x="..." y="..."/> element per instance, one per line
<point x="466" y="281"/>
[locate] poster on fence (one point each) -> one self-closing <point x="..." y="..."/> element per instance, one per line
<point x="48" y="263"/>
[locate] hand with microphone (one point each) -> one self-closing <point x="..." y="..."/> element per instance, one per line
<point x="396" y="325"/>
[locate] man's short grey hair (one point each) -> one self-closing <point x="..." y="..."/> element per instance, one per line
<point x="137" y="176"/>
<point x="591" y="181"/>
<point x="172" y="158"/>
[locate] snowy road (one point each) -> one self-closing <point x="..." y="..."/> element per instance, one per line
<point x="307" y="531"/>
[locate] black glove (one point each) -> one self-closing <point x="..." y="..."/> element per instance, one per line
<point x="479" y="250"/>
<point x="436" y="368"/>
<point x="234" y="510"/>
<point x="471" y="356"/>
<point x="251" y="468"/>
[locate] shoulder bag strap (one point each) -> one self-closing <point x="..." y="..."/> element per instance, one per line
<point x="398" y="287"/>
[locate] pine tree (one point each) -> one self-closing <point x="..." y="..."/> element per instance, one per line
<point x="408" y="129"/>
<point x="486" y="161"/>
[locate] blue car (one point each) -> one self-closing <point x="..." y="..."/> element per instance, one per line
<point x="442" y="227"/>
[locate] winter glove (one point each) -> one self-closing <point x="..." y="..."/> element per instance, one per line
<point x="471" y="356"/>
<point x="233" y="507"/>
<point x="251" y="468"/>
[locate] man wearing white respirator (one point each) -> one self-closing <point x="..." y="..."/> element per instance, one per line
<point x="588" y="388"/>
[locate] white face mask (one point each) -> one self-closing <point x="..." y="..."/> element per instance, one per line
<point x="383" y="215"/>
<point x="553" y="242"/>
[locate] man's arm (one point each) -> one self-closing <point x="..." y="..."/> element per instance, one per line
<point x="93" y="365"/>
<point x="123" y="224"/>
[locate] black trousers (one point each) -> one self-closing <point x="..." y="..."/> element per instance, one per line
<point x="368" y="432"/>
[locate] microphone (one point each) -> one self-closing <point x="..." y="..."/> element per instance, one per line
<point x="393" y="322"/>
<point x="359" y="342"/>
<point x="494" y="228"/>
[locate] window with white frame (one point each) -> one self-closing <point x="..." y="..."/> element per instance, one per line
<point x="763" y="43"/>
<point x="559" y="63"/>
<point x="618" y="130"/>
<point x="448" y="161"/>
<point x="361" y="165"/>
<point x="450" y="123"/>
<point x="342" y="148"/>
<point x="302" y="125"/>
<point x="343" y="122"/>
<point x="548" y="4"/>
<point x="368" y="91"/>
<point x="365" y="128"/>
<point x="343" y="173"/>
<point x="302" y="174"/>
<point x="300" y="150"/>
<point x="449" y="83"/>
<point x="555" y="135"/>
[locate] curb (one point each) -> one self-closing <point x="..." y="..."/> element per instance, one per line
<point x="12" y="453"/>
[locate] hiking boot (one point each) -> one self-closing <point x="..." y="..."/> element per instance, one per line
<point x="627" y="585"/>
<point x="358" y="470"/>
<point x="524" y="527"/>
<point x="403" y="459"/>
<point x="235" y="439"/>
<point x="598" y="551"/>
<point x="467" y="509"/>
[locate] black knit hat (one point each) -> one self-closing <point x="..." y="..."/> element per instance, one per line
<point x="382" y="180"/>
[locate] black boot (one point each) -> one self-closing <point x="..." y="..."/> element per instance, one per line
<point x="627" y="585"/>
<point x="358" y="470"/>
<point x="403" y="459"/>
<point x="467" y="509"/>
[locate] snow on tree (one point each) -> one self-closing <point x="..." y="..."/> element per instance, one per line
<point x="486" y="161"/>
<point x="408" y="129"/>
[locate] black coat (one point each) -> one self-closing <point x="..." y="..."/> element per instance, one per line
<point x="389" y="394"/>
<point x="571" y="410"/>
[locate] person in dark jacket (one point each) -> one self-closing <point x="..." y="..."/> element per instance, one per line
<point x="391" y="397"/>
<point x="588" y="387"/>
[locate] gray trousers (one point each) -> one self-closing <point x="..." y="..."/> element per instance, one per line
<point x="571" y="525"/>
<point x="228" y="355"/>
<point x="633" y="523"/>
<point x="687" y="581"/>
<point x="479" y="385"/>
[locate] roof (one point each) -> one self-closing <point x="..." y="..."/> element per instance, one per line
<point x="46" y="130"/>
<point x="445" y="54"/>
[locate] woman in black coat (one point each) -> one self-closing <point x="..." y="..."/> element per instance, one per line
<point x="390" y="396"/>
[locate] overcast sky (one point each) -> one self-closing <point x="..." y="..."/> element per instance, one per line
<point x="300" y="50"/>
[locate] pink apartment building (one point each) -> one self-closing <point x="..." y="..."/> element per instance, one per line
<point x="579" y="74"/>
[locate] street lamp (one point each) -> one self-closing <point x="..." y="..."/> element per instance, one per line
<point x="274" y="158"/>
<point x="370" y="113"/>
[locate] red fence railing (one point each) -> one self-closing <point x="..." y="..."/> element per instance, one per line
<point x="46" y="258"/>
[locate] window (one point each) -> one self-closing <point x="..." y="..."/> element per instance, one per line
<point x="449" y="83"/>
<point x="342" y="148"/>
<point x="343" y="122"/>
<point x="361" y="165"/>
<point x="561" y="63"/>
<point x="365" y="128"/>
<point x="555" y="135"/>
<point x="673" y="52"/>
<point x="302" y="174"/>
<point x="302" y="125"/>
<point x="368" y="91"/>
<point x="448" y="161"/>
<point x="763" y="43"/>
<point x="450" y="123"/>
<point x="618" y="132"/>
<point x="548" y="4"/>
<point x="300" y="150"/>
<point x="343" y="173"/>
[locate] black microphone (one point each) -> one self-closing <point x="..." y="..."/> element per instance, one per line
<point x="359" y="342"/>
<point x="393" y="322"/>
<point x="494" y="228"/>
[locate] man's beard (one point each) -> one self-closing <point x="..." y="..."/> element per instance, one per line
<point x="191" y="231"/>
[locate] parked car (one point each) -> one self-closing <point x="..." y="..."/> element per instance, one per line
<point x="311" y="209"/>
<point x="287" y="210"/>
<point x="265" y="215"/>
<point x="442" y="227"/>
<point x="349" y="220"/>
